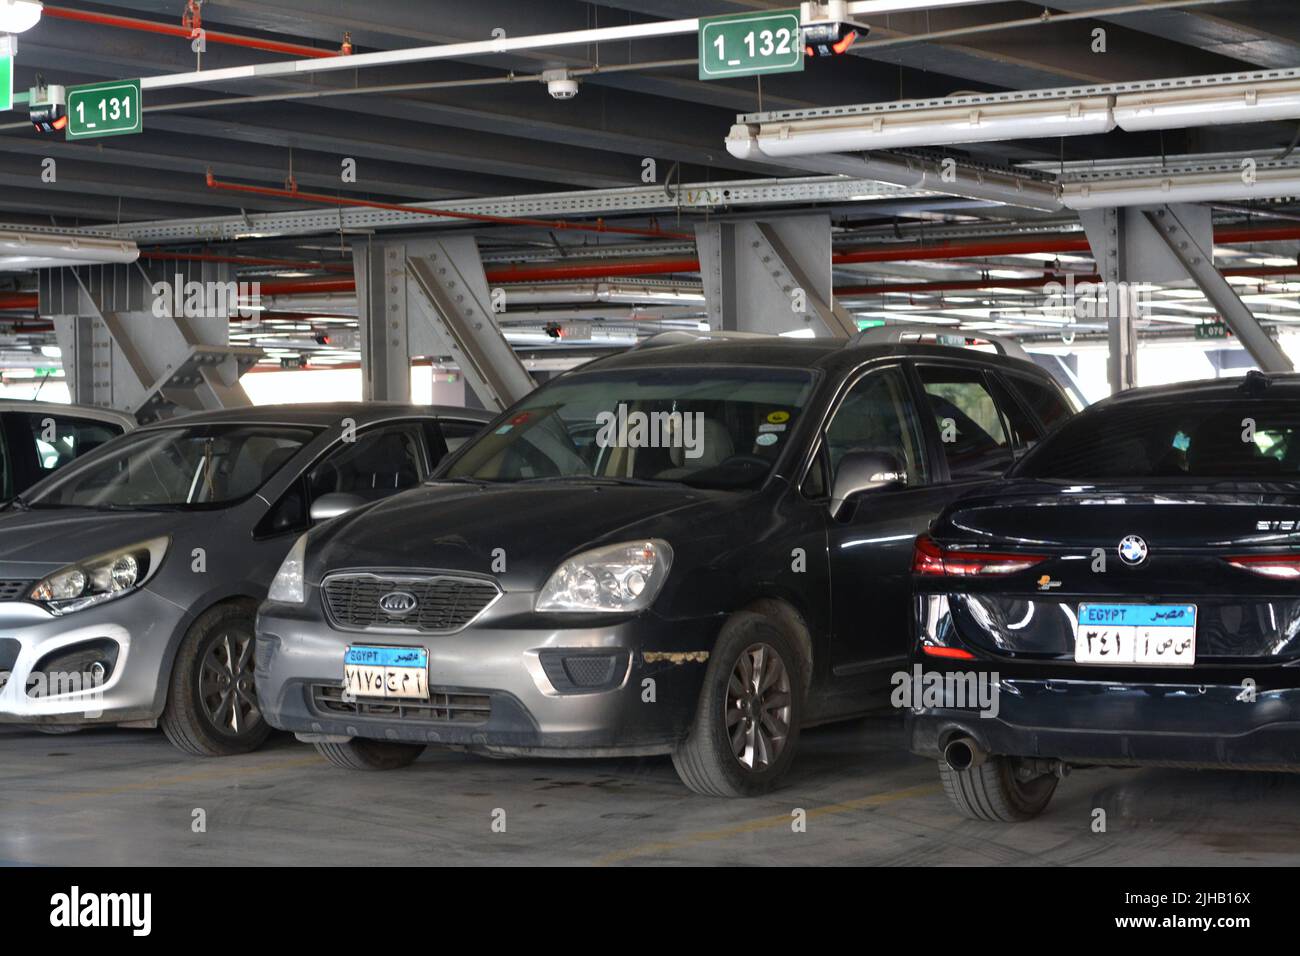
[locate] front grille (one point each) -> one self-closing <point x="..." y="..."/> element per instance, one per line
<point x="443" y="603"/>
<point x="442" y="706"/>
<point x="14" y="590"/>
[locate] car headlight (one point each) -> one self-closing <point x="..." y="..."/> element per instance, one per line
<point x="99" y="579"/>
<point x="621" y="577"/>
<point x="289" y="586"/>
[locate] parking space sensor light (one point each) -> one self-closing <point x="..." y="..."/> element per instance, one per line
<point x="18" y="16"/>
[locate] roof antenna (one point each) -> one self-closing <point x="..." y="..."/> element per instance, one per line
<point x="1255" y="382"/>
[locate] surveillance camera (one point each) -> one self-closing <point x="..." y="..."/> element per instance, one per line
<point x="560" y="85"/>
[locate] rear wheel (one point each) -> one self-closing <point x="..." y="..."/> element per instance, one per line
<point x="746" y="725"/>
<point x="212" y="708"/>
<point x="362" y="754"/>
<point x="996" y="791"/>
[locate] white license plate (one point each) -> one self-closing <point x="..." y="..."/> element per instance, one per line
<point x="1160" y="635"/>
<point x="386" y="672"/>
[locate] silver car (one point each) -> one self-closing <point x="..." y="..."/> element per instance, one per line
<point x="130" y="579"/>
<point x="39" y="438"/>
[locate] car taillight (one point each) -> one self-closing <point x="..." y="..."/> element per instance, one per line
<point x="932" y="559"/>
<point x="1269" y="565"/>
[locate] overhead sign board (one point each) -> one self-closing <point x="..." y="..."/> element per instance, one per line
<point x="750" y="44"/>
<point x="6" y="83"/>
<point x="104" y="109"/>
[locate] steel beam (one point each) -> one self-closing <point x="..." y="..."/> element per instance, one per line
<point x="430" y="297"/>
<point x="771" y="276"/>
<point x="1197" y="258"/>
<point x="125" y="347"/>
<point x="1108" y="233"/>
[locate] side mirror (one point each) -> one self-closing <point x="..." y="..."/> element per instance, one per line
<point x="334" y="504"/>
<point x="861" y="471"/>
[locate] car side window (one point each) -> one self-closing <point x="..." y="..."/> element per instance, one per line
<point x="456" y="433"/>
<point x="380" y="462"/>
<point x="972" y="435"/>
<point x="1025" y="430"/>
<point x="877" y="416"/>
<point x="60" y="439"/>
<point x="1048" y="403"/>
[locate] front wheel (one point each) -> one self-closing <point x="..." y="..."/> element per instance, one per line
<point x="746" y="725"/>
<point x="360" y="753"/>
<point x="995" y="791"/>
<point x="212" y="708"/>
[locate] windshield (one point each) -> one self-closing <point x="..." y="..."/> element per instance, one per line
<point x="703" y="426"/>
<point x="198" y="466"/>
<point x="1246" y="440"/>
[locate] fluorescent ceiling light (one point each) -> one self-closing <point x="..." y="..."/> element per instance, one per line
<point x="20" y="251"/>
<point x="980" y="120"/>
<point x="1157" y="189"/>
<point x="1210" y="101"/>
<point x="18" y="16"/>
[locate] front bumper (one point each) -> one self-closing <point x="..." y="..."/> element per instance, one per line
<point x="140" y="628"/>
<point x="1109" y="722"/>
<point x="493" y="684"/>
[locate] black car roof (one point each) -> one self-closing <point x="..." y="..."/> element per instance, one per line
<point x="324" y="415"/>
<point x="830" y="355"/>
<point x="1257" y="385"/>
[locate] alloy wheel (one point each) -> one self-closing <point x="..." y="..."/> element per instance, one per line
<point x="758" y="707"/>
<point x="226" y="686"/>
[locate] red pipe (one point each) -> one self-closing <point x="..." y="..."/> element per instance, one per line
<point x="19" y="300"/>
<point x="959" y="285"/>
<point x="213" y="36"/>
<point x="293" y="192"/>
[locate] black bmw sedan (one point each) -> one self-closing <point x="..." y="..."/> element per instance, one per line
<point x="1131" y="596"/>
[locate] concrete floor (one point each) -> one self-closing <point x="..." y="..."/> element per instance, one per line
<point x="111" y="797"/>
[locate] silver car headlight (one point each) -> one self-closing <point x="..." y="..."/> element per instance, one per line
<point x="618" y="578"/>
<point x="104" y="577"/>
<point x="289" y="586"/>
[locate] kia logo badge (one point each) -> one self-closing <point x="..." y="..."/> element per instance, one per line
<point x="398" y="603"/>
<point x="1132" y="550"/>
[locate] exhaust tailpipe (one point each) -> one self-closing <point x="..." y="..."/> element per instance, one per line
<point x="963" y="753"/>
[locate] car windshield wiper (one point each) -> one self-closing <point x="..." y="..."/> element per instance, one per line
<point x="18" y="504"/>
<point x="477" y="482"/>
<point x="599" y="480"/>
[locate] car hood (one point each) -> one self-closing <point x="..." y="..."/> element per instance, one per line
<point x="34" y="543"/>
<point x="528" y="529"/>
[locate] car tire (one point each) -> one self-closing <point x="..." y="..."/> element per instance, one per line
<point x="992" y="792"/>
<point x="212" y="708"/>
<point x="744" y="735"/>
<point x="360" y="753"/>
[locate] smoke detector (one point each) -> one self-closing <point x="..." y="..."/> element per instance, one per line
<point x="560" y="84"/>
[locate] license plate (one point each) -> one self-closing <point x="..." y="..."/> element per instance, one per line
<point x="386" y="672"/>
<point x="1161" y="635"/>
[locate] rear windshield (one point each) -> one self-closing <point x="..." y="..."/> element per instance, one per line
<point x="1243" y="439"/>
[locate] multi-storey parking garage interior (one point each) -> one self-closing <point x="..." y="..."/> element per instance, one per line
<point x="324" y="330"/>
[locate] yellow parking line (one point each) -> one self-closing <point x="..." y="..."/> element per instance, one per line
<point x="197" y="777"/>
<point x="767" y="823"/>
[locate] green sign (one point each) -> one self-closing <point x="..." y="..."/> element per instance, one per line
<point x="1212" y="329"/>
<point x="104" y="109"/>
<point x="6" y="83"/>
<point x="864" y="324"/>
<point x="749" y="44"/>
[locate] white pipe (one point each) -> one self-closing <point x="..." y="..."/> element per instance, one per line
<point x="447" y="51"/>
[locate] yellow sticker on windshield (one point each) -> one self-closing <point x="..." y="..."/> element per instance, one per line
<point x="777" y="418"/>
